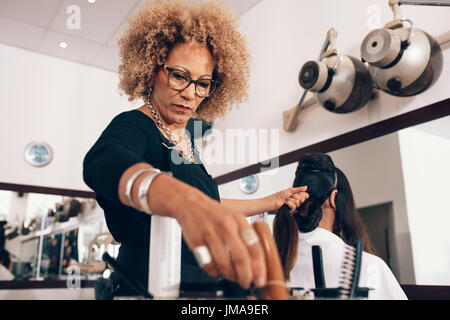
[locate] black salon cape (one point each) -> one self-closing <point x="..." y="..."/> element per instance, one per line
<point x="130" y="138"/>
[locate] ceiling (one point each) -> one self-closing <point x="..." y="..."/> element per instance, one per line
<point x="42" y="25"/>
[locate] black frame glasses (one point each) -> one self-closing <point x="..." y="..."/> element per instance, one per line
<point x="183" y="73"/>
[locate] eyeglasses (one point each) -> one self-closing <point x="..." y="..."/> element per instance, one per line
<point x="179" y="79"/>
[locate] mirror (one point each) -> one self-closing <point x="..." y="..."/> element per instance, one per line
<point x="26" y="264"/>
<point x="400" y="184"/>
<point x="46" y="234"/>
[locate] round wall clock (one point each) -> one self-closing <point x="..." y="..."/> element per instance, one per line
<point x="38" y="154"/>
<point x="249" y="184"/>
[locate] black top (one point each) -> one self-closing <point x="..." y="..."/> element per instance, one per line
<point x="130" y="138"/>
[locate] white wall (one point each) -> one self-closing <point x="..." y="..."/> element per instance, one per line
<point x="18" y="207"/>
<point x="283" y="35"/>
<point x="425" y="160"/>
<point x="62" y="103"/>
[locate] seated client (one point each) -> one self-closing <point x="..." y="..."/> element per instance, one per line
<point x="329" y="219"/>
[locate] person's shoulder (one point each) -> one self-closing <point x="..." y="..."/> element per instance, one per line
<point x="323" y="236"/>
<point x="133" y="118"/>
<point x="379" y="276"/>
<point x="372" y="261"/>
<point x="133" y="114"/>
<point x="373" y="258"/>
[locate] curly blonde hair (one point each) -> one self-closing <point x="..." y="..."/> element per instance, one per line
<point x="162" y="24"/>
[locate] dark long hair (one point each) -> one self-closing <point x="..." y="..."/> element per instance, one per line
<point x="318" y="172"/>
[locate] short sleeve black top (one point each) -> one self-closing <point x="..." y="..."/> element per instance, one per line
<point x="130" y="138"/>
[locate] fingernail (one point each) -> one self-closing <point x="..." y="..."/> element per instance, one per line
<point x="260" y="282"/>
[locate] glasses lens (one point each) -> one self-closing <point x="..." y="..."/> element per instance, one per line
<point x="178" y="79"/>
<point x="204" y="87"/>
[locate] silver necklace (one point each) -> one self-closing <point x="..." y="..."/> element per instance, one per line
<point x="186" y="153"/>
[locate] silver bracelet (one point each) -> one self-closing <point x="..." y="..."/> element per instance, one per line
<point x="143" y="190"/>
<point x="130" y="184"/>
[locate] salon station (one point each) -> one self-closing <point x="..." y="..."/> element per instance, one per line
<point x="349" y="98"/>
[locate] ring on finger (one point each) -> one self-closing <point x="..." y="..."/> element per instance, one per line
<point x="250" y="237"/>
<point x="202" y="255"/>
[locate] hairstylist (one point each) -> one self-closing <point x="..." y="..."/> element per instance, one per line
<point x="184" y="60"/>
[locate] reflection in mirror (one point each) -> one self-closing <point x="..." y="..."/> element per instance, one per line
<point x="25" y="266"/>
<point x="400" y="184"/>
<point x="70" y="250"/>
<point x="51" y="256"/>
<point x="46" y="234"/>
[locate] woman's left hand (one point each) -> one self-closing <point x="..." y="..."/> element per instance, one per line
<point x="293" y="197"/>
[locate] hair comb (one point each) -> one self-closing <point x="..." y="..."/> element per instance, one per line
<point x="348" y="279"/>
<point x="350" y="270"/>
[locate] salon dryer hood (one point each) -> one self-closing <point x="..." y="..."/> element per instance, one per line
<point x="402" y="59"/>
<point x="340" y="83"/>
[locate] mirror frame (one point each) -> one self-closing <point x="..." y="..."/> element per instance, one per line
<point x="21" y="188"/>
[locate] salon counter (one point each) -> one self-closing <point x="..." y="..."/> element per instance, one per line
<point x="418" y="292"/>
<point x="46" y="290"/>
<point x="58" y="290"/>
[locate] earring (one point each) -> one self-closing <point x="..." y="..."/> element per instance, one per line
<point x="148" y="91"/>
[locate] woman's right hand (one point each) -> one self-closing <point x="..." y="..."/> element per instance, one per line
<point x="207" y="223"/>
<point x="204" y="222"/>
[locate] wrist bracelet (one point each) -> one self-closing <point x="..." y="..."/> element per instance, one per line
<point x="130" y="184"/>
<point x="143" y="190"/>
